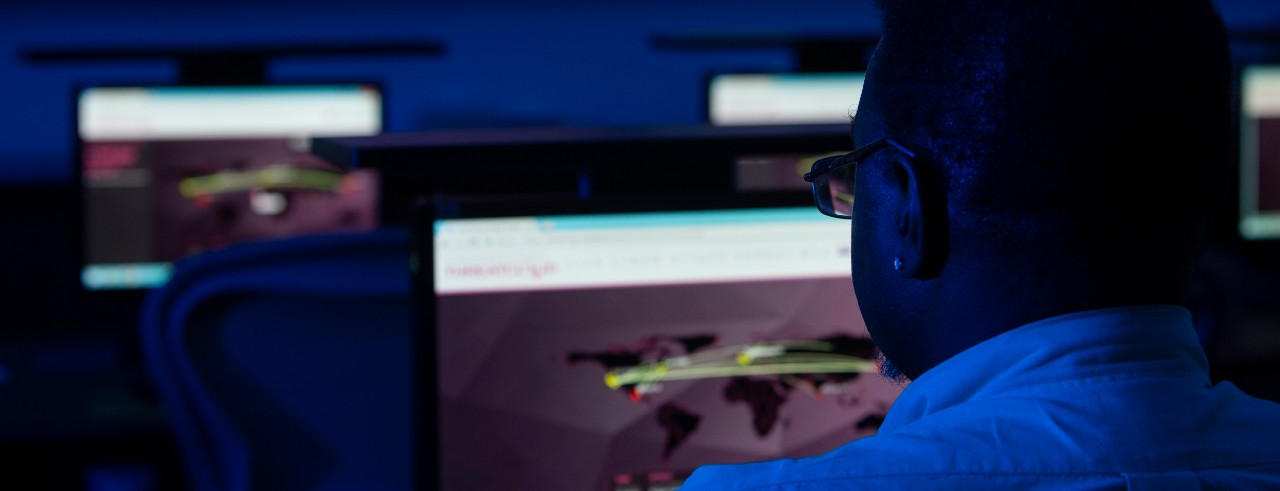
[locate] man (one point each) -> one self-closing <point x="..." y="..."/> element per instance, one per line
<point x="1031" y="188"/>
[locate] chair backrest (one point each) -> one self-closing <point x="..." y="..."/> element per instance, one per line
<point x="286" y="365"/>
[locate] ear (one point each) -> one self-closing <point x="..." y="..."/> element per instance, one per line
<point x="922" y="233"/>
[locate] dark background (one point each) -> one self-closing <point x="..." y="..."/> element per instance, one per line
<point x="506" y="63"/>
<point x="76" y="411"/>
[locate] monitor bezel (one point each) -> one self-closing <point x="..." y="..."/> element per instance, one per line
<point x="426" y="211"/>
<point x="117" y="310"/>
<point x="78" y="146"/>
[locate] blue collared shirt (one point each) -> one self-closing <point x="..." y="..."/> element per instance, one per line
<point x="1106" y="399"/>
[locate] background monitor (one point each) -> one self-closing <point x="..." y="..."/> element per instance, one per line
<point x="585" y="162"/>
<point x="783" y="98"/>
<point x="171" y="171"/>
<point x="622" y="350"/>
<point x="1260" y="153"/>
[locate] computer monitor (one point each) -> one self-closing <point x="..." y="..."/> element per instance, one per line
<point x="740" y="99"/>
<point x="783" y="98"/>
<point x="586" y="162"/>
<point x="168" y="171"/>
<point x="1260" y="153"/>
<point x="622" y="348"/>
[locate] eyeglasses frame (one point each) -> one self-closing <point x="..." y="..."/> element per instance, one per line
<point x="826" y="165"/>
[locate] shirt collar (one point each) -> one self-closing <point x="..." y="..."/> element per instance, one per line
<point x="1105" y="344"/>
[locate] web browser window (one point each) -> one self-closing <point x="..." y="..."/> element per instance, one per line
<point x="167" y="172"/>
<point x="621" y="351"/>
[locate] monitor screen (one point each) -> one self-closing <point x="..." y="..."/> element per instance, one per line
<point x="171" y="171"/>
<point x="783" y="98"/>
<point x="620" y="351"/>
<point x="1260" y="153"/>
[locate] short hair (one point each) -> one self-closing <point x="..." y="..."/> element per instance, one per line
<point x="1103" y="113"/>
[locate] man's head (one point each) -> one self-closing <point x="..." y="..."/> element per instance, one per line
<point x="1068" y="153"/>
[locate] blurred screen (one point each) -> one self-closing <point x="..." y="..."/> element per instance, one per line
<point x="172" y="171"/>
<point x="783" y="98"/>
<point x="1260" y="153"/>
<point x="621" y="351"/>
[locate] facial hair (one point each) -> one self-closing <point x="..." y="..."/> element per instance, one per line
<point x="890" y="371"/>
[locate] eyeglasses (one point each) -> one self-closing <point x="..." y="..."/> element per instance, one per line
<point x="832" y="177"/>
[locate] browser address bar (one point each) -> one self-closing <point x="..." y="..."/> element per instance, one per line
<point x="541" y="258"/>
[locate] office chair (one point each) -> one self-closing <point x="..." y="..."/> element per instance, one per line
<point x="285" y="365"/>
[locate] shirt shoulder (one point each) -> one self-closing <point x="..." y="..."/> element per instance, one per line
<point x="872" y="462"/>
<point x="1217" y="437"/>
